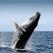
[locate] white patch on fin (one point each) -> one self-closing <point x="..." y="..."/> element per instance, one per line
<point x="17" y="26"/>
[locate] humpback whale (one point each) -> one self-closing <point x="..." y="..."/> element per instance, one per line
<point x="24" y="31"/>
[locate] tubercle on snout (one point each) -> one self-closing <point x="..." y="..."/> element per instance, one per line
<point x="37" y="15"/>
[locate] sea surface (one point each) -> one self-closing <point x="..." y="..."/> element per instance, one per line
<point x="39" y="42"/>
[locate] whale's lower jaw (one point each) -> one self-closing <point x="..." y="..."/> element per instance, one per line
<point x="25" y="35"/>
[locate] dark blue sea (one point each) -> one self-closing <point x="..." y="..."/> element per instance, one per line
<point x="39" y="42"/>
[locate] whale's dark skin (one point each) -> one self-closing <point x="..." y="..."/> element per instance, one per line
<point x="26" y="33"/>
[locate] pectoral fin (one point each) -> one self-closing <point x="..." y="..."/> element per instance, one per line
<point x="17" y="26"/>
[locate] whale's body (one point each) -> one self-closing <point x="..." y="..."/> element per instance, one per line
<point x="24" y="32"/>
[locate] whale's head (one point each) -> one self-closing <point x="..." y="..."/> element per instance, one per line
<point x="32" y="22"/>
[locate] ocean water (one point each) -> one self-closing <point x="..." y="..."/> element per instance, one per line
<point x="39" y="42"/>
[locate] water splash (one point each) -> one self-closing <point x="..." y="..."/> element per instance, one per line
<point x="5" y="39"/>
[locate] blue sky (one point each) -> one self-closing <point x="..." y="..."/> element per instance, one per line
<point x="22" y="10"/>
